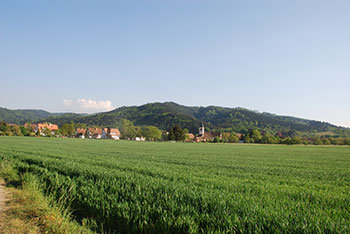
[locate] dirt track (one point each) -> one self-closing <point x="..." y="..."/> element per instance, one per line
<point x="3" y="195"/>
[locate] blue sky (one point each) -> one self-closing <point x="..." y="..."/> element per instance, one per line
<point x="283" y="57"/>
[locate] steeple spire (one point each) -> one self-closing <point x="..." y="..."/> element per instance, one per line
<point x="201" y="130"/>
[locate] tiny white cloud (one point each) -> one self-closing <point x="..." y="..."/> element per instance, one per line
<point x="87" y="105"/>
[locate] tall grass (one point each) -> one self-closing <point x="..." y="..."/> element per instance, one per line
<point x="29" y="211"/>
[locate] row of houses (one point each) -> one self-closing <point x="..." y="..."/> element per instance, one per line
<point x="98" y="133"/>
<point x="41" y="127"/>
<point x="92" y="133"/>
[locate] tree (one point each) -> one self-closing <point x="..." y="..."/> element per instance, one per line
<point x="233" y="138"/>
<point x="68" y="129"/>
<point x="347" y="141"/>
<point x="80" y="125"/>
<point x="216" y="139"/>
<point x="128" y="129"/>
<point x="296" y="140"/>
<point x="332" y="140"/>
<point x="256" y="136"/>
<point x="138" y="131"/>
<point x="16" y="131"/>
<point x="266" y="139"/>
<point x="305" y="140"/>
<point x="3" y="127"/>
<point x="151" y="133"/>
<point x="340" y="141"/>
<point x="38" y="132"/>
<point x="225" y="136"/>
<point x="326" y="141"/>
<point x="316" y="141"/>
<point x="71" y="129"/>
<point x="47" y="132"/>
<point x="176" y="133"/>
<point x="247" y="139"/>
<point x="287" y="141"/>
<point x="24" y="131"/>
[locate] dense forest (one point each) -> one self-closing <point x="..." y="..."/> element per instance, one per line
<point x="22" y="116"/>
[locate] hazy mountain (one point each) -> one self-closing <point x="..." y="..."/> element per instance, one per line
<point x="165" y="115"/>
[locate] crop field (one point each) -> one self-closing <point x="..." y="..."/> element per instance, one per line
<point x="163" y="187"/>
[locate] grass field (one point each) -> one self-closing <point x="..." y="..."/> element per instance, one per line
<point x="162" y="187"/>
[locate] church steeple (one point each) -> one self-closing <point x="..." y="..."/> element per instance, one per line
<point x="201" y="130"/>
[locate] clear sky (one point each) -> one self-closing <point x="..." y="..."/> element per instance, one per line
<point x="284" y="57"/>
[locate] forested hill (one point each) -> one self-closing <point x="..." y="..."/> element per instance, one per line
<point x="31" y="115"/>
<point x="165" y="115"/>
<point x="22" y="116"/>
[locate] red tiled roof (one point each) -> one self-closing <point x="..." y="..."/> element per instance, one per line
<point x="92" y="131"/>
<point x="199" y="139"/>
<point x="32" y="126"/>
<point x="51" y="127"/>
<point x="190" y="136"/>
<point x="54" y="127"/>
<point x="98" y="131"/>
<point x="211" y="135"/>
<point x="81" y="131"/>
<point x="114" y="131"/>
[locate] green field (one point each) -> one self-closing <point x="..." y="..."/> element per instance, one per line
<point x="162" y="187"/>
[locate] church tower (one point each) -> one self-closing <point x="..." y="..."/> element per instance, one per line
<point x="201" y="130"/>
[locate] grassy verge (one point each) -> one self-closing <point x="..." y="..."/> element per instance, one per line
<point x="29" y="211"/>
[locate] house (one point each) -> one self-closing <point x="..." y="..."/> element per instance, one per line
<point x="139" y="138"/>
<point x="209" y="136"/>
<point x="80" y="132"/>
<point x="114" y="133"/>
<point x="198" y="139"/>
<point x="190" y="137"/>
<point x="31" y="127"/>
<point x="104" y="133"/>
<point x="97" y="133"/>
<point x="91" y="133"/>
<point x="41" y="126"/>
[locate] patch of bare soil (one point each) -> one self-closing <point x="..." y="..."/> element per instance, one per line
<point x="3" y="199"/>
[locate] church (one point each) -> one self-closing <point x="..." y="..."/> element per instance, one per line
<point x="206" y="136"/>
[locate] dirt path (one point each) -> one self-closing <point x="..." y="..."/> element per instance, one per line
<point x="3" y="197"/>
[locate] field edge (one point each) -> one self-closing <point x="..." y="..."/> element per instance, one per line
<point x="28" y="210"/>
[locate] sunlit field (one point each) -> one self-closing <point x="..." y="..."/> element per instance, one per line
<point x="163" y="187"/>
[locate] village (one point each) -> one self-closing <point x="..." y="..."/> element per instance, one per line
<point x="52" y="130"/>
<point x="43" y="129"/>
<point x="152" y="133"/>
